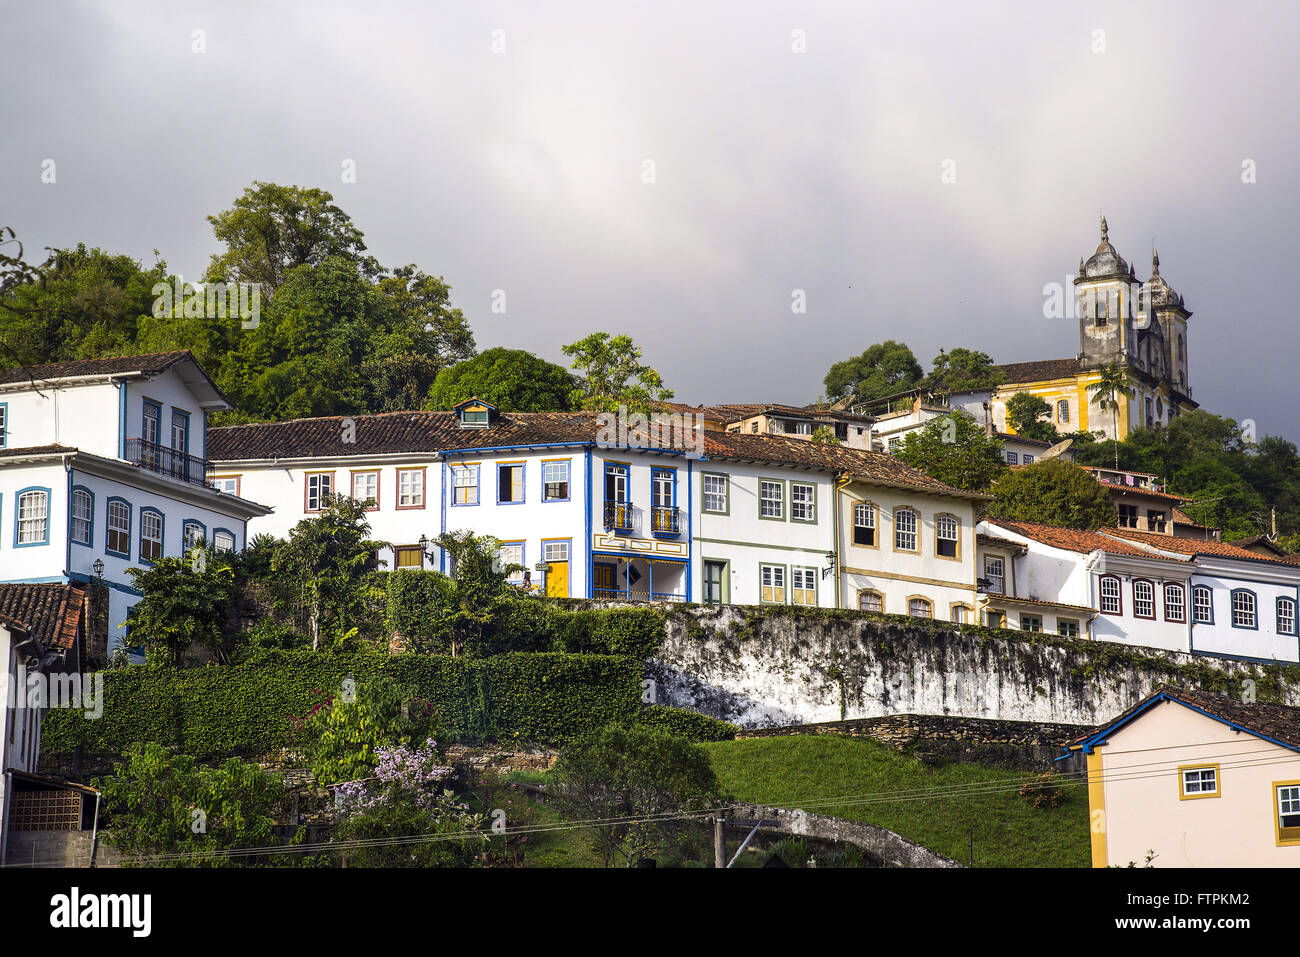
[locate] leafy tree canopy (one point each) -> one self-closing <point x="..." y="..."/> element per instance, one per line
<point x="955" y="449"/>
<point x="963" y="370"/>
<point x="511" y="379"/>
<point x="883" y="369"/>
<point x="610" y="374"/>
<point x="1052" y="492"/>
<point x="1025" y="416"/>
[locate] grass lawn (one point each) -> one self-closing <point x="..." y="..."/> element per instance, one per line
<point x="806" y="770"/>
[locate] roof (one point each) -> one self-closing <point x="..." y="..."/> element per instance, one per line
<point x="1011" y="437"/>
<point x="996" y="598"/>
<point x="1278" y="723"/>
<point x="140" y="366"/>
<point x="19" y="452"/>
<point x="1039" y="370"/>
<point x="1071" y="539"/>
<point x="736" y="411"/>
<point x="1194" y="546"/>
<point x="50" y="612"/>
<point x="1260" y="541"/>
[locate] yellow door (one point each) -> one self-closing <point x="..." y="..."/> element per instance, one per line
<point x="557" y="580"/>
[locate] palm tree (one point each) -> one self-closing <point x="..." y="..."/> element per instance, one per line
<point x="1114" y="382"/>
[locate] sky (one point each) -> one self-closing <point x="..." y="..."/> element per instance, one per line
<point x="687" y="173"/>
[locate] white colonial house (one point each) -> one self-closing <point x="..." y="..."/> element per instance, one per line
<point x="102" y="469"/>
<point x="1141" y="588"/>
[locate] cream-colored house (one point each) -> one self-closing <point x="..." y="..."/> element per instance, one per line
<point x="1192" y="779"/>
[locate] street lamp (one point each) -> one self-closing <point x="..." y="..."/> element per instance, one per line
<point x="98" y="567"/>
<point x="831" y="562"/>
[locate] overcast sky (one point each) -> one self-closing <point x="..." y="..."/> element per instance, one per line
<point x="523" y="169"/>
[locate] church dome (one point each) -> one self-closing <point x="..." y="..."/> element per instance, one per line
<point x="1105" y="263"/>
<point x="1162" y="294"/>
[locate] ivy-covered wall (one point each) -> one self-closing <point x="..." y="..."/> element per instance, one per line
<point x="764" y="667"/>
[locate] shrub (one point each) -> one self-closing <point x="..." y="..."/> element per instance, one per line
<point x="687" y="723"/>
<point x="1041" y="790"/>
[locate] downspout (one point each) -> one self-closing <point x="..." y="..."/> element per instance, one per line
<point x="837" y="484"/>
<point x="442" y="505"/>
<point x="1088" y="565"/>
<point x="690" y="524"/>
<point x="121" y="415"/>
<point x="588" y="505"/>
<point x="67" y="531"/>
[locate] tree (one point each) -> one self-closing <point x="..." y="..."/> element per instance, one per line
<point x="511" y="379"/>
<point x="964" y="370"/>
<point x="272" y="229"/>
<point x="1052" y="492"/>
<point x="166" y="811"/>
<point x="1108" y="390"/>
<point x="1025" y="416"/>
<point x="883" y="369"/>
<point x="323" y="560"/>
<point x="184" y="601"/>
<point x="826" y="435"/>
<point x="479" y="601"/>
<point x="637" y="775"/>
<point x="956" y="450"/>
<point x="611" y="374"/>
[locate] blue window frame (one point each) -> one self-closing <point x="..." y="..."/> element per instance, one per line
<point x="1202" y="605"/>
<point x="555" y="480"/>
<point x="1245" y="609"/>
<point x="32" y="517"/>
<point x="151" y="422"/>
<point x="223" y="539"/>
<point x="1286" y="616"/>
<point x="117" y="536"/>
<point x="188" y="528"/>
<point x="81" y="529"/>
<point x="181" y="431"/>
<point x="152" y="530"/>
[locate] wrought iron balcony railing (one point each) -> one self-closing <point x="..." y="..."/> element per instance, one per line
<point x="635" y="594"/>
<point x="664" y="519"/>
<point x="618" y="515"/>
<point x="165" y="461"/>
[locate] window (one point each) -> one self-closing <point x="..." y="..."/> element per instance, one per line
<point x="803" y="585"/>
<point x="1286" y="616"/>
<point x="83" y="516"/>
<point x="1032" y="623"/>
<point x="464" y="479"/>
<point x="945" y="536"/>
<point x="905" y="530"/>
<point x="864" y="524"/>
<point x="1063" y="411"/>
<point x="1287" y="811"/>
<point x="180" y="431"/>
<point x="555" y="481"/>
<point x="223" y="541"/>
<point x="1202" y="605"/>
<point x="410" y="488"/>
<point x="1013" y="458"/>
<point x="1175" y="602"/>
<point x="895" y="443"/>
<point x="150" y="426"/>
<point x="365" y="488"/>
<point x="319" y="487"/>
<point x="920" y="608"/>
<point x="1144" y="599"/>
<point x="773" y="582"/>
<point x="1155" y="521"/>
<point x="33" y="517"/>
<point x="661" y="487"/>
<point x="555" y="551"/>
<point x="961" y="614"/>
<point x="1128" y="516"/>
<point x="615" y="483"/>
<point x="151" y="535"/>
<point x="1067" y="628"/>
<point x="226" y="483"/>
<point x="119" y="528"/>
<point x="995" y="574"/>
<point x="994" y="618"/>
<point x="1026" y="459"/>
<point x="1243" y="609"/>
<point x="1199" y="782"/>
<point x="871" y="601"/>
<point x="1111" y="603"/>
<point x="4" y="425"/>
<point x="512" y="553"/>
<point x="771" y="499"/>
<point x="714" y="573"/>
<point x="803" y="502"/>
<point x="510" y="483"/>
<point x="715" y="494"/>
<point x="474" y="418"/>
<point x="408" y="556"/>
<point x="753" y="426"/>
<point x="193" y="533"/>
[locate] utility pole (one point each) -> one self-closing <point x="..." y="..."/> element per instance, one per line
<point x="719" y="843"/>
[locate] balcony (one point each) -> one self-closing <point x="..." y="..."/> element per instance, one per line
<point x="664" y="520"/>
<point x="165" y="461"/>
<point x="618" y="516"/>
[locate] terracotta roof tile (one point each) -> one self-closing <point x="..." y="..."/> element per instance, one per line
<point x="1277" y="721"/>
<point x="51" y="612"/>
<point x="1070" y="539"/>
<point x="1039" y="370"/>
<point x="1194" y="546"/>
<point x="153" y="362"/>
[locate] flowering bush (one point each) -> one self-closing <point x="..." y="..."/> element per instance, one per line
<point x="409" y="773"/>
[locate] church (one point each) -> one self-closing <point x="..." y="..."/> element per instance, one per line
<point x="1139" y="326"/>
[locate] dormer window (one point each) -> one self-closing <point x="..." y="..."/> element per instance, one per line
<point x="474" y="414"/>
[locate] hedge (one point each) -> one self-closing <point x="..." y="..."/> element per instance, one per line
<point x="688" y="724"/>
<point x="549" y="698"/>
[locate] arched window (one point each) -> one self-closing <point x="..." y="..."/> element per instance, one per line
<point x="119" y="528"/>
<point x="193" y="533"/>
<point x="920" y="608"/>
<point x="1175" y="602"/>
<point x="151" y="535"/>
<point x="1243" y="609"/>
<point x="905" y="534"/>
<point x="1286" y="616"/>
<point x="33" y="517"/>
<point x="946" y="536"/>
<point x="869" y="600"/>
<point x="1202" y="605"/>
<point x="864" y="524"/>
<point x="961" y="614"/>
<point x="1144" y="599"/>
<point x="223" y="540"/>
<point x="83" y="516"/>
<point x="1111" y="602"/>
